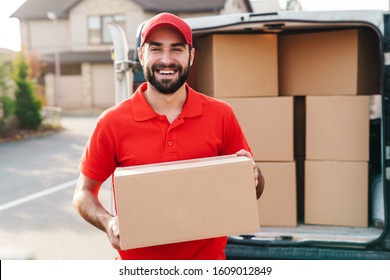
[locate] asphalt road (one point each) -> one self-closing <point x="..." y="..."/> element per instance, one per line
<point x="37" y="181"/>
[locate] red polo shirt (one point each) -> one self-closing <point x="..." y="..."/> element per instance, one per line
<point x="132" y="133"/>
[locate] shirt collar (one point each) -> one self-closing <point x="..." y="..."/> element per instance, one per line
<point x="143" y="111"/>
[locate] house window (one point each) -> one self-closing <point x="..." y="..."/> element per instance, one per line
<point x="98" y="30"/>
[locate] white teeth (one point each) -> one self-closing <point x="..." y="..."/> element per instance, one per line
<point x="166" y="72"/>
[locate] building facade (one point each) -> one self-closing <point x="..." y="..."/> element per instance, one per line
<point x="74" y="35"/>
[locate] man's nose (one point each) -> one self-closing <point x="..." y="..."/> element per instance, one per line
<point x="166" y="57"/>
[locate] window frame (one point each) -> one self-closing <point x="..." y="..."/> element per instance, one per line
<point x="98" y="31"/>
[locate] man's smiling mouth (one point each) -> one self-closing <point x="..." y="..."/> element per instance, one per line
<point x="166" y="72"/>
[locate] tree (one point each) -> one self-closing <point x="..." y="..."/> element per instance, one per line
<point x="3" y="75"/>
<point x="27" y="107"/>
<point x="7" y="103"/>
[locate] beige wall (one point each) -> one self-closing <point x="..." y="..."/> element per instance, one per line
<point x="41" y="35"/>
<point x="24" y="36"/>
<point x="72" y="34"/>
<point x="79" y="14"/>
<point x="95" y="87"/>
<point x="103" y="85"/>
<point x="79" y="32"/>
<point x="71" y="96"/>
<point x="134" y="17"/>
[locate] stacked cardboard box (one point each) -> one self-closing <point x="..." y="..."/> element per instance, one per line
<point x="302" y="101"/>
<point x="267" y="123"/>
<point x="336" y="166"/>
<point x="326" y="72"/>
<point x="242" y="71"/>
<point x="278" y="204"/>
<point x="329" y="63"/>
<point x="235" y="65"/>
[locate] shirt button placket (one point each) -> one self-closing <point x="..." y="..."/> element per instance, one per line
<point x="170" y="144"/>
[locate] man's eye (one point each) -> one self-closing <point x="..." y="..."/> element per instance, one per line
<point x="177" y="50"/>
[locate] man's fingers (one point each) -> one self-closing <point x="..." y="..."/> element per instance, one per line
<point x="113" y="226"/>
<point x="244" y="153"/>
<point x="115" y="230"/>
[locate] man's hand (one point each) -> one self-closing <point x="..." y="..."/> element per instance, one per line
<point x="86" y="202"/>
<point x="113" y="232"/>
<point x="259" y="178"/>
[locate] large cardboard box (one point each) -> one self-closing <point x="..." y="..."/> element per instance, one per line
<point x="278" y="203"/>
<point x="267" y="123"/>
<point x="336" y="193"/>
<point x="337" y="128"/>
<point x="237" y="65"/>
<point x="185" y="200"/>
<point x="344" y="62"/>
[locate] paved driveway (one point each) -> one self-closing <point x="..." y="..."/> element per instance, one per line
<point x="37" y="180"/>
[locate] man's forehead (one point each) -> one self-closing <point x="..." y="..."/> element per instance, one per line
<point x="166" y="35"/>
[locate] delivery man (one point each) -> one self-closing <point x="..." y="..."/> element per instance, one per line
<point x="164" y="120"/>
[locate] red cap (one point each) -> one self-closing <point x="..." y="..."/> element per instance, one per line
<point x="167" y="20"/>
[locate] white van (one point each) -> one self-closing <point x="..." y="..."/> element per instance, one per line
<point x="318" y="86"/>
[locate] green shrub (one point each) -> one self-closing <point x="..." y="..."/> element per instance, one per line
<point x="8" y="106"/>
<point x="27" y="107"/>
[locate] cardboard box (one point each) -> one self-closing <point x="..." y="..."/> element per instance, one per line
<point x="344" y="62"/>
<point x="336" y="193"/>
<point x="278" y="203"/>
<point x="185" y="200"/>
<point x="237" y="65"/>
<point x="337" y="128"/>
<point x="267" y="123"/>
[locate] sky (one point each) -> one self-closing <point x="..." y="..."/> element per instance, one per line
<point x="9" y="27"/>
<point x="10" y="34"/>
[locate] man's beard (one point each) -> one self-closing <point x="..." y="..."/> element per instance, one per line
<point x="167" y="86"/>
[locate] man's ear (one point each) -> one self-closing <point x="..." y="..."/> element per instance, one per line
<point x="141" y="55"/>
<point x="192" y="56"/>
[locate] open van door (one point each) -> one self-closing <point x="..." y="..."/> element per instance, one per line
<point x="122" y="64"/>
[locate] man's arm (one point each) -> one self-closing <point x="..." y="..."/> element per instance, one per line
<point x="87" y="204"/>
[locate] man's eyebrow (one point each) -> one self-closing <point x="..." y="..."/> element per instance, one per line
<point x="181" y="44"/>
<point x="158" y="44"/>
<point x="155" y="43"/>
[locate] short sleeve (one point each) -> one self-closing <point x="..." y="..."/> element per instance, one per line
<point x="98" y="160"/>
